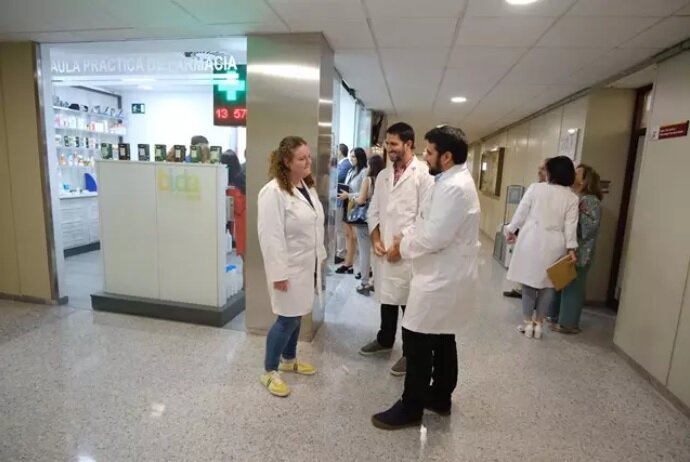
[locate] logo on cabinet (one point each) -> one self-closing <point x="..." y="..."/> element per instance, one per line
<point x="181" y="184"/>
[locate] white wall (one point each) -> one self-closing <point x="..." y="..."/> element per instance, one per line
<point x="653" y="325"/>
<point x="526" y="145"/>
<point x="85" y="97"/>
<point x="346" y="119"/>
<point x="174" y="117"/>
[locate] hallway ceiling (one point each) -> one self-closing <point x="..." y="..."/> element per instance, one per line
<point x="406" y="57"/>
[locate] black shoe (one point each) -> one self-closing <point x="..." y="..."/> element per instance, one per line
<point x="512" y="294"/>
<point x="339" y="260"/>
<point x="345" y="270"/>
<point x="358" y="276"/>
<point x="395" y="418"/>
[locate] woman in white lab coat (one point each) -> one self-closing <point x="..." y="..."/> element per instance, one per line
<point x="547" y="218"/>
<point x="291" y="225"/>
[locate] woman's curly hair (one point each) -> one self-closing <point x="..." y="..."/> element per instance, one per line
<point x="281" y="157"/>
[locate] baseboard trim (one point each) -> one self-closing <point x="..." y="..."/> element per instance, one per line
<point x="34" y="300"/>
<point x="173" y="311"/>
<point x="654" y="382"/>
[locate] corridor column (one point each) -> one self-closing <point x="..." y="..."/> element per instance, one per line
<point x="289" y="92"/>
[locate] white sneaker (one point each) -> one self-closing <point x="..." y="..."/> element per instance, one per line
<point x="538" y="330"/>
<point x="529" y="330"/>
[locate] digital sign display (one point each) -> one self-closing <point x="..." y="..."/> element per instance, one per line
<point x="230" y="97"/>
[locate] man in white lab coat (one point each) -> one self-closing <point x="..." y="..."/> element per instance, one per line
<point x="400" y="189"/>
<point x="443" y="248"/>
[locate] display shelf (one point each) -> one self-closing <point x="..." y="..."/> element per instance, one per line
<point x="89" y="114"/>
<point x="90" y="132"/>
<point x="78" y="149"/>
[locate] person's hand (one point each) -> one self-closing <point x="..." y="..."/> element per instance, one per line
<point x="573" y="256"/>
<point x="343" y="196"/>
<point x="394" y="254"/>
<point x="379" y="248"/>
<point x="282" y="286"/>
<point x="511" y="238"/>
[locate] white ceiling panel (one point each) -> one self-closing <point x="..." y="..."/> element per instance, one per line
<point x="404" y="61"/>
<point x="611" y="63"/>
<point x="228" y="11"/>
<point x="510" y="96"/>
<point x="415" y="8"/>
<point x="326" y="10"/>
<point x="464" y="82"/>
<point x="55" y="16"/>
<point x="502" y="32"/>
<point x="653" y="8"/>
<point x="638" y="79"/>
<point x="594" y="31"/>
<point x="361" y="71"/>
<point x="45" y="37"/>
<point x="547" y="66"/>
<point x="414" y="33"/>
<point x="485" y="57"/>
<point x="495" y="8"/>
<point x="342" y="35"/>
<point x="663" y="35"/>
<point x="151" y="13"/>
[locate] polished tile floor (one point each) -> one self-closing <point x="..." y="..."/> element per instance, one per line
<point x="78" y="385"/>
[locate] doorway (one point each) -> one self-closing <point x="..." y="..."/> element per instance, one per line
<point x="634" y="164"/>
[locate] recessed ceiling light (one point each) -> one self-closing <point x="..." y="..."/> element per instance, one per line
<point x="458" y="99"/>
<point x="521" y="2"/>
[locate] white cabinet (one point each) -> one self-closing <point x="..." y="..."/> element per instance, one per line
<point x="79" y="221"/>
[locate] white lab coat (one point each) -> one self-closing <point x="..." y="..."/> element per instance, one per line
<point x="547" y="219"/>
<point x="443" y="248"/>
<point x="394" y="209"/>
<point x="291" y="236"/>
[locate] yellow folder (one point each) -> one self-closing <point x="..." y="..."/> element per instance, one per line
<point x="562" y="273"/>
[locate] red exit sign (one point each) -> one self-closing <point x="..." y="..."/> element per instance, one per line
<point x="232" y="116"/>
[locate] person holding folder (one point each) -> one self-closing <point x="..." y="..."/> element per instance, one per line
<point x="547" y="218"/>
<point x="567" y="305"/>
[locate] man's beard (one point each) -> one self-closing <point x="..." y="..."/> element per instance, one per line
<point x="435" y="169"/>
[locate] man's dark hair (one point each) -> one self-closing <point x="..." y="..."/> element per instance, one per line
<point x="199" y="139"/>
<point x="404" y="131"/>
<point x="561" y="171"/>
<point x="449" y="139"/>
<point x="342" y="147"/>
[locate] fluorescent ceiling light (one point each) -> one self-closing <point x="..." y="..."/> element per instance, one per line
<point x="325" y="101"/>
<point x="458" y="99"/>
<point x="141" y="79"/>
<point x="521" y="2"/>
<point x="325" y="124"/>
<point x="572" y="131"/>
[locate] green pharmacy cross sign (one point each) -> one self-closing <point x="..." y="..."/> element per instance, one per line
<point x="232" y="86"/>
<point x="230" y="96"/>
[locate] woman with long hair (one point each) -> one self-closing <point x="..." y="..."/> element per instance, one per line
<point x="355" y="177"/>
<point x="547" y="220"/>
<point x="291" y="237"/>
<point x="362" y="230"/>
<point x="567" y="306"/>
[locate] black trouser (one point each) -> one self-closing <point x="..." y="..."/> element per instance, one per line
<point x="429" y="356"/>
<point x="389" y="325"/>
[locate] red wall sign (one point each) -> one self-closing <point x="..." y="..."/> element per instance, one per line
<point x="674" y="131"/>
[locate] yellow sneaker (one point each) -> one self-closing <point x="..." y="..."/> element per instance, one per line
<point x="274" y="384"/>
<point x="297" y="366"/>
